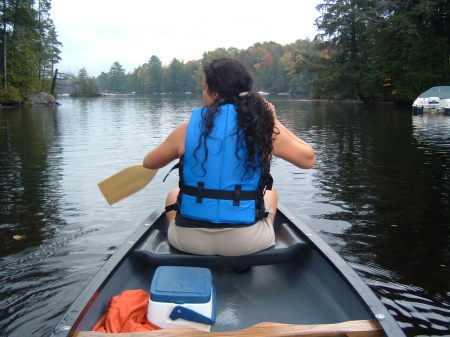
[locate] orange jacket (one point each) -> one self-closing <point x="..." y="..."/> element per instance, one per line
<point x="127" y="312"/>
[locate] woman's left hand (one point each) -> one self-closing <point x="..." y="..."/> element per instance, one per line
<point x="272" y="109"/>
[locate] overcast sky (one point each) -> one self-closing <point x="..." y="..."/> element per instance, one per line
<point x="96" y="33"/>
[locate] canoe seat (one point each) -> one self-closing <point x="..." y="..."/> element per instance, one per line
<point x="157" y="251"/>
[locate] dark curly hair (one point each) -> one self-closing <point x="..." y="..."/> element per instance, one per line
<point x="229" y="78"/>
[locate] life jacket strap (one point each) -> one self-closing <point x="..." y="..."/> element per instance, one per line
<point x="269" y="181"/>
<point x="236" y="195"/>
<point x="173" y="207"/>
<point x="177" y="165"/>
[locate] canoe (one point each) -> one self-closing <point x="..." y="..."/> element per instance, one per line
<point x="299" y="287"/>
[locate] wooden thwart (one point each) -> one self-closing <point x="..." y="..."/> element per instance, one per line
<point x="125" y="182"/>
<point x="363" y="328"/>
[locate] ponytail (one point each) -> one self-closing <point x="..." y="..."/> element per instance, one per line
<point x="233" y="83"/>
<point x="256" y="123"/>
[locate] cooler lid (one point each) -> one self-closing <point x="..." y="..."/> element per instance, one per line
<point x="173" y="284"/>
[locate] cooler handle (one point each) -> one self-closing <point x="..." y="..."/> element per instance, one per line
<point x="190" y="315"/>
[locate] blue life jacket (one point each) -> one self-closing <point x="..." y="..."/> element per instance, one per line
<point x="218" y="192"/>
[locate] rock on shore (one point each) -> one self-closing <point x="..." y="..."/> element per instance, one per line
<point x="43" y="98"/>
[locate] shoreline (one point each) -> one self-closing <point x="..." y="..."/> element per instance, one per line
<point x="352" y="101"/>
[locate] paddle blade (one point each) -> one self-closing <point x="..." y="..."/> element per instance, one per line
<point x="125" y="182"/>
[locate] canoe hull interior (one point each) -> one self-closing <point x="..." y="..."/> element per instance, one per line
<point x="307" y="289"/>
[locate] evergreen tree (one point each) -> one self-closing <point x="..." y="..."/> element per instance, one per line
<point x="23" y="47"/>
<point x="29" y="44"/>
<point x="154" y="66"/>
<point x="116" y="77"/>
<point x="103" y="81"/>
<point x="175" y="77"/>
<point x="48" y="41"/>
<point x="84" y="86"/>
<point x="344" y="25"/>
<point x="381" y="49"/>
<point x="412" y="47"/>
<point x="5" y="22"/>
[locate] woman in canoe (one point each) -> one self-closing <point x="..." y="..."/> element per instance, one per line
<point x="226" y="203"/>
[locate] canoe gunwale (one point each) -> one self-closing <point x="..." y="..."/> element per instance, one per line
<point x="373" y="303"/>
<point x="67" y="326"/>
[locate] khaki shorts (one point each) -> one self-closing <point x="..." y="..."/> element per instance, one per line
<point x="223" y="241"/>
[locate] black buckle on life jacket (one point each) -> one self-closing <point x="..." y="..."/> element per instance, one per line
<point x="262" y="213"/>
<point x="200" y="188"/>
<point x="237" y="195"/>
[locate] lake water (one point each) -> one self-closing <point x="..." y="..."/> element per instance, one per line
<point x="379" y="195"/>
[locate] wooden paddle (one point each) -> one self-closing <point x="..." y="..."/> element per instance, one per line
<point x="125" y="182"/>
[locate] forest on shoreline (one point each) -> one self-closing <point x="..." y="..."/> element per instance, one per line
<point x="368" y="50"/>
<point x="30" y="49"/>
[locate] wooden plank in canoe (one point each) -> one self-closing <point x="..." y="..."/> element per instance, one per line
<point x="362" y="328"/>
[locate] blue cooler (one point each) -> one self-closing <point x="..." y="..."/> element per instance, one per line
<point x="182" y="296"/>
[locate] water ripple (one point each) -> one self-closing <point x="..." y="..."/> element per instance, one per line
<point x="379" y="195"/>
